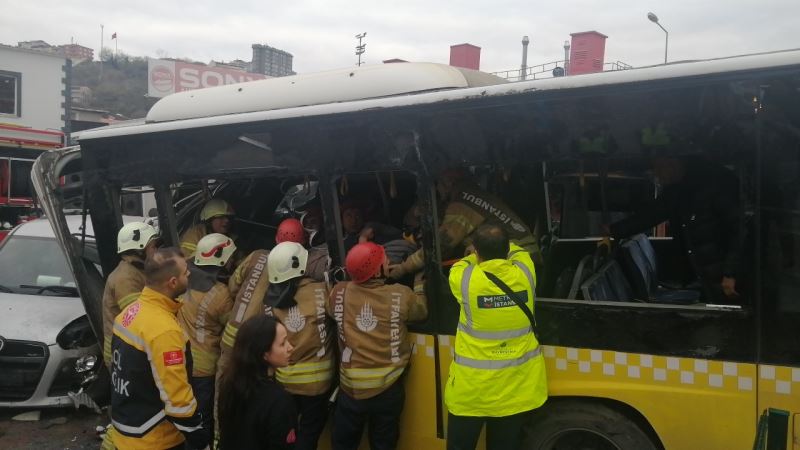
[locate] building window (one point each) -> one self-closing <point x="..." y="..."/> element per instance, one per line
<point x="10" y="93"/>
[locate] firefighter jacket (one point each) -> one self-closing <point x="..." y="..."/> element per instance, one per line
<point x="371" y="321"/>
<point x="123" y="287"/>
<point x="470" y="208"/>
<point x="498" y="369"/>
<point x="248" y="285"/>
<point x="203" y="315"/>
<point x="191" y="237"/>
<point x="152" y="404"/>
<point x="311" y="332"/>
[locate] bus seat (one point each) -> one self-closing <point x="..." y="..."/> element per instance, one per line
<point x="607" y="284"/>
<point x="583" y="271"/>
<point x="638" y="258"/>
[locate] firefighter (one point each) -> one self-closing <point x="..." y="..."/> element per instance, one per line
<point x="135" y="242"/>
<point x="467" y="207"/>
<point x="299" y="303"/>
<point x="498" y="372"/>
<point x="215" y="217"/>
<point x="206" y="307"/>
<point x="371" y="319"/>
<point x="152" y="403"/>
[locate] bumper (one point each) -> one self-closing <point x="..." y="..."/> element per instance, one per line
<point x="53" y="383"/>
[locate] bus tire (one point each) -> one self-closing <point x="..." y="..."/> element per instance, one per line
<point x="572" y="424"/>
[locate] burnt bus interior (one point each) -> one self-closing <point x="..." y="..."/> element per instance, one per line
<point x="568" y="162"/>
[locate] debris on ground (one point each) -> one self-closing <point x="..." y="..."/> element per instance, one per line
<point x="30" y="416"/>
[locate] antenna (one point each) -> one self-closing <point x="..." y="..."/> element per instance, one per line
<point x="360" y="48"/>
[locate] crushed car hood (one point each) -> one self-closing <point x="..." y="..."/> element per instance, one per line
<point x="37" y="318"/>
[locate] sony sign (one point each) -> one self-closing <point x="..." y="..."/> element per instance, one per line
<point x="168" y="77"/>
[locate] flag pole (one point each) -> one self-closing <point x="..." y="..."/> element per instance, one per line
<point x="101" y="52"/>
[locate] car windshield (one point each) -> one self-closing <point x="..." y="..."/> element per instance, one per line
<point x="34" y="265"/>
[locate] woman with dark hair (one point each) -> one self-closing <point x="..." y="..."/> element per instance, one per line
<point x="255" y="412"/>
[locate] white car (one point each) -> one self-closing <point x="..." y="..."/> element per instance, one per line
<point x="47" y="347"/>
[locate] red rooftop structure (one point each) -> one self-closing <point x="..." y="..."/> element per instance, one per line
<point x="467" y="56"/>
<point x="587" y="52"/>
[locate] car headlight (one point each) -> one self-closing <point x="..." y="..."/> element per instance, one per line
<point x="85" y="363"/>
<point x="77" y="333"/>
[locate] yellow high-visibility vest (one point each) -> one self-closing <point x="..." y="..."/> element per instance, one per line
<point x="498" y="369"/>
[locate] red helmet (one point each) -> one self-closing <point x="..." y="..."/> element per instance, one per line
<point x="291" y="230"/>
<point x="363" y="261"/>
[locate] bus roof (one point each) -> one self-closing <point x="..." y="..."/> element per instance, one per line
<point x="341" y="85"/>
<point x="227" y="116"/>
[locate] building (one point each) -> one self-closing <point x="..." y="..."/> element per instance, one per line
<point x="236" y="64"/>
<point x="77" y="53"/>
<point x="38" y="45"/>
<point x="271" y="61"/>
<point x="34" y="117"/>
<point x="81" y="95"/>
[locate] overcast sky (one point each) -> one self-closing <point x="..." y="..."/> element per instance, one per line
<point x="320" y="33"/>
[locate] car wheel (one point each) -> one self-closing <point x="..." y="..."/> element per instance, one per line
<point x="584" y="425"/>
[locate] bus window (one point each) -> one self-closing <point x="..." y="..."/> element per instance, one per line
<point x="780" y="220"/>
<point x="385" y="208"/>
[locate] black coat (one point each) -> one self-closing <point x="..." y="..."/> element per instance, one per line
<point x="268" y="421"/>
<point x="704" y="214"/>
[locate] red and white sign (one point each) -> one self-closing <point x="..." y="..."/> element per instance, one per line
<point x="172" y="358"/>
<point x="168" y="77"/>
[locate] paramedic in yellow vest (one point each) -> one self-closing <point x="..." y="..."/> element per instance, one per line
<point x="374" y="350"/>
<point x="299" y="303"/>
<point x="204" y="313"/>
<point x="215" y="217"/>
<point x="152" y="403"/>
<point x="498" y="373"/>
<point x="135" y="242"/>
<point x="467" y="206"/>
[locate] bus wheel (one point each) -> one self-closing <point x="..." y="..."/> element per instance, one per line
<point x="572" y="424"/>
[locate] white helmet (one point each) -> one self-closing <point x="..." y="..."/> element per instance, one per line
<point x="135" y="236"/>
<point x="286" y="261"/>
<point x="214" y="208"/>
<point x="214" y="249"/>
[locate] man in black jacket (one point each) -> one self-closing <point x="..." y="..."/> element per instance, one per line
<point x="700" y="200"/>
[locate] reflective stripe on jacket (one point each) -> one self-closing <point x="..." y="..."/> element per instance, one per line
<point x="203" y="316"/>
<point x="311" y="334"/>
<point x="373" y="339"/>
<point x="248" y="285"/>
<point x="152" y="402"/>
<point x="469" y="209"/>
<point x="123" y="286"/>
<point x="498" y="369"/>
<point x="191" y="237"/>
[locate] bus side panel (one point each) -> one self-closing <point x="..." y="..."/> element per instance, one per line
<point x="689" y="402"/>
<point x="446" y="354"/>
<point x="418" y="422"/>
<point x="779" y="388"/>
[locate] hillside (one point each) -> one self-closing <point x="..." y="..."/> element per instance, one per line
<point x="122" y="88"/>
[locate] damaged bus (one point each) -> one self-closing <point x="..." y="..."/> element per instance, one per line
<point x="645" y="348"/>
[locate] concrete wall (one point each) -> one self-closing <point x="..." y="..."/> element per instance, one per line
<point x="43" y="82"/>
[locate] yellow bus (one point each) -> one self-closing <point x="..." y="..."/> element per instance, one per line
<point x="642" y="351"/>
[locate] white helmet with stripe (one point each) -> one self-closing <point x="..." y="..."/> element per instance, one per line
<point x="214" y="249"/>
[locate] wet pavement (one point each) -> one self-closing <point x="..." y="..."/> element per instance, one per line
<point x="61" y="428"/>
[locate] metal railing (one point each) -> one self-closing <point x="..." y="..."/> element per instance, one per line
<point x="548" y="70"/>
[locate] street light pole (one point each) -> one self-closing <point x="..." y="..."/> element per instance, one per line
<point x="654" y="18"/>
<point x="523" y="73"/>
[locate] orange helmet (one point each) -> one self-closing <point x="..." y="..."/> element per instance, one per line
<point x="363" y="261"/>
<point x="291" y="230"/>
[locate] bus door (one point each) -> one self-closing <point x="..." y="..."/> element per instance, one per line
<point x="779" y="362"/>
